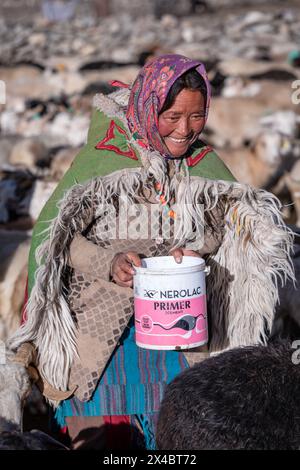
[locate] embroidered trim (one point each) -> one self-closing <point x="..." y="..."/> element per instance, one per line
<point x="110" y="135"/>
<point x="192" y="161"/>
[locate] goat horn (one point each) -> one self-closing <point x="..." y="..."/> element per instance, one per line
<point x="46" y="389"/>
<point x="25" y="355"/>
<point x="33" y="373"/>
<point x="53" y="393"/>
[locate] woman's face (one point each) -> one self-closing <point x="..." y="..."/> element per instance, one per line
<point x="180" y="125"/>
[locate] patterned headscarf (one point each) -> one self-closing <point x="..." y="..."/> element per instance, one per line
<point x="149" y="93"/>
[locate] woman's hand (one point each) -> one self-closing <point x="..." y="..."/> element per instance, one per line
<point x="121" y="268"/>
<point x="178" y="253"/>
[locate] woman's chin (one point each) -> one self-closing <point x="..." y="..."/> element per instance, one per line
<point x="177" y="151"/>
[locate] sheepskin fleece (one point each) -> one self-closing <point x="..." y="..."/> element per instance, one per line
<point x="250" y="253"/>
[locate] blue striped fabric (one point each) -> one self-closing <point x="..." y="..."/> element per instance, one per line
<point x="133" y="382"/>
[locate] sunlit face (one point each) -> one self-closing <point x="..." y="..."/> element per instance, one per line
<point x="180" y="125"/>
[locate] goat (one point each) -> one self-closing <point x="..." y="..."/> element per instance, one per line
<point x="263" y="161"/>
<point x="62" y="161"/>
<point x="236" y="119"/>
<point x="245" y="398"/>
<point x="287" y="315"/>
<point x="14" y="249"/>
<point x="12" y="439"/>
<point x="16" y="379"/>
<point x="292" y="181"/>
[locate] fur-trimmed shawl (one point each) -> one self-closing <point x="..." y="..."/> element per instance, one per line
<point x="242" y="290"/>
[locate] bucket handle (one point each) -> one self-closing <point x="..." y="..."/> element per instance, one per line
<point x="207" y="270"/>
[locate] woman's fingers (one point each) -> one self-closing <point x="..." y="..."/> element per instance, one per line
<point x="129" y="260"/>
<point x="178" y="254"/>
<point x="122" y="274"/>
<point x="123" y="264"/>
<point x="122" y="268"/>
<point x="122" y="278"/>
<point x="191" y="253"/>
<point x="134" y="258"/>
<point x="126" y="267"/>
<point x="122" y="283"/>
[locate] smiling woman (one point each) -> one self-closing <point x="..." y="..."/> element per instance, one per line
<point x="144" y="148"/>
<point x="181" y="124"/>
<point x="183" y="115"/>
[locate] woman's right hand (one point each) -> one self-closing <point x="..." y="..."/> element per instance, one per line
<point x="121" y="268"/>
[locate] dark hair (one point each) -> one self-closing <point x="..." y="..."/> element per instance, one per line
<point x="190" y="80"/>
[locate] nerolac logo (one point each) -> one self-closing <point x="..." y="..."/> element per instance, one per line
<point x="179" y="294"/>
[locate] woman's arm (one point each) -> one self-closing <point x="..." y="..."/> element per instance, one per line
<point x="102" y="263"/>
<point x="89" y="258"/>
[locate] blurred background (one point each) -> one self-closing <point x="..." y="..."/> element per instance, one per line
<point x="55" y="55"/>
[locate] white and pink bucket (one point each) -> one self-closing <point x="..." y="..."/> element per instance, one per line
<point x="170" y="303"/>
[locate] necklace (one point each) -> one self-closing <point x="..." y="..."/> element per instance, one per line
<point x="162" y="199"/>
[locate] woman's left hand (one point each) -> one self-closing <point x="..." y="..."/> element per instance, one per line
<point x="178" y="253"/>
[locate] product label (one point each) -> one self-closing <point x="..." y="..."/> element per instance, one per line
<point x="171" y="322"/>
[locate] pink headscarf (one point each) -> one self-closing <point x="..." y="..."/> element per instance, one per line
<point x="149" y="93"/>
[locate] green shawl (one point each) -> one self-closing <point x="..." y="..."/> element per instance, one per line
<point x="243" y="286"/>
<point x="92" y="162"/>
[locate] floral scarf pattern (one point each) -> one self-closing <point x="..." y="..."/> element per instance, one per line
<point x="149" y="93"/>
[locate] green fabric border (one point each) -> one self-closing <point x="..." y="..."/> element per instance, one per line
<point x="91" y="162"/>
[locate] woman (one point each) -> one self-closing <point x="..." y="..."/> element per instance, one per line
<point x="144" y="148"/>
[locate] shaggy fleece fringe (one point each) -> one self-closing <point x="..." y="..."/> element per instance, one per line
<point x="242" y="287"/>
<point x="254" y="256"/>
<point x="49" y="324"/>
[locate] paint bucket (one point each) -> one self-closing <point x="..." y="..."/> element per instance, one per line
<point x="170" y="303"/>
